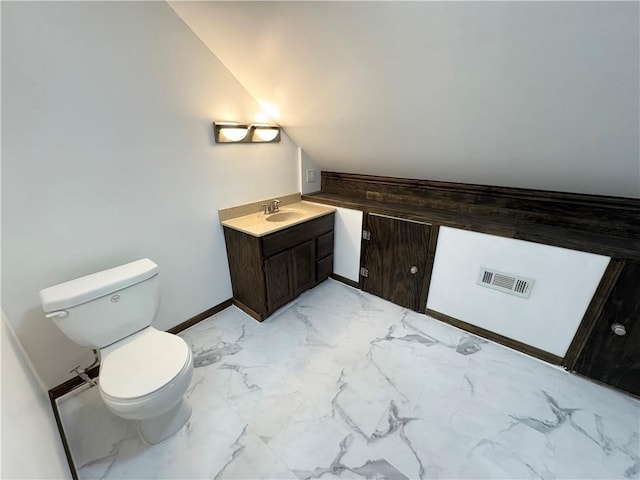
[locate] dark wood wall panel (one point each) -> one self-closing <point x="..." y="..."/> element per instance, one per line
<point x="591" y="223"/>
<point x="594" y="311"/>
<point x="606" y="356"/>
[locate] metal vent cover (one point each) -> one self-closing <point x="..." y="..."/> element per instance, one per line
<point x="505" y="282"/>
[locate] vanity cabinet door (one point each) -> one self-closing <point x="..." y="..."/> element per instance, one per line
<point x="304" y="263"/>
<point x="269" y="271"/>
<point x="278" y="272"/>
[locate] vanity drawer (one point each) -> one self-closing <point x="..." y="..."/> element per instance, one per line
<point x="324" y="268"/>
<point x="324" y="245"/>
<point x="292" y="236"/>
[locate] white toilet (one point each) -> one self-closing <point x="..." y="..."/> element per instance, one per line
<point x="144" y="372"/>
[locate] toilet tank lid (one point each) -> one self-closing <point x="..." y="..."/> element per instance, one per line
<point x="83" y="289"/>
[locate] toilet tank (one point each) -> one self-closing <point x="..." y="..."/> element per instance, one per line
<point x="99" y="309"/>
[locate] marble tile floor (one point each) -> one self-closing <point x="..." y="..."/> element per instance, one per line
<point x="341" y="384"/>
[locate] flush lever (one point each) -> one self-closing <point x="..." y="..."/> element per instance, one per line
<point x="56" y="314"/>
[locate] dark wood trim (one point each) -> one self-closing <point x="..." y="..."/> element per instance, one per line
<point x="431" y="256"/>
<point x="363" y="246"/>
<point x="200" y="317"/>
<point x="405" y="212"/>
<point x="72" y="384"/>
<point x="329" y="178"/>
<point x="598" y="224"/>
<point x="495" y="337"/>
<point x="345" y="280"/>
<point x="593" y="312"/>
<point x="63" y="436"/>
<point x="249" y="311"/>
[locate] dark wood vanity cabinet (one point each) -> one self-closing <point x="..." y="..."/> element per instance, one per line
<point x="268" y="272"/>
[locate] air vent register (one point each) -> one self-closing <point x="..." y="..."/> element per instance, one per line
<point x="505" y="282"/>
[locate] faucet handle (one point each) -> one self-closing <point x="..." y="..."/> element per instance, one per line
<point x="275" y="205"/>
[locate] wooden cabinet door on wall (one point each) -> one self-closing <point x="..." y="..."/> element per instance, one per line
<point x="278" y="272"/>
<point x="608" y="357"/>
<point x="396" y="260"/>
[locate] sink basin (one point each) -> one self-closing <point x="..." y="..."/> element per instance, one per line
<point x="285" y="216"/>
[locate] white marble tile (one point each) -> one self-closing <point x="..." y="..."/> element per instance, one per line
<point x="340" y="384"/>
<point x="85" y="414"/>
<point x="253" y="459"/>
<point x="308" y="440"/>
<point x="215" y="443"/>
<point x="266" y="414"/>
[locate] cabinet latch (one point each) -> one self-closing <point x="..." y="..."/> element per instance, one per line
<point x="366" y="235"/>
<point x="364" y="272"/>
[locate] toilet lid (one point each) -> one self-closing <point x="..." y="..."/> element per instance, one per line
<point x="142" y="364"/>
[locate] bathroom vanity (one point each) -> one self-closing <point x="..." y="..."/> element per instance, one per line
<point x="274" y="257"/>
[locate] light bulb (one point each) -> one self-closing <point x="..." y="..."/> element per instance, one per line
<point x="266" y="134"/>
<point x="234" y="134"/>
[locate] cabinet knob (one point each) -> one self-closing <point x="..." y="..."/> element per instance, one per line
<point x="619" y="329"/>
<point x="413" y="270"/>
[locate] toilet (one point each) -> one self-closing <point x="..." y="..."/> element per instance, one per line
<point x="144" y="372"/>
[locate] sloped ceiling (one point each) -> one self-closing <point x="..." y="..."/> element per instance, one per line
<point x="526" y="94"/>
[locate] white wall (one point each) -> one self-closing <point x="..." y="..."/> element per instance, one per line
<point x="522" y="94"/>
<point x="347" y="243"/>
<point x="565" y="281"/>
<point x="108" y="156"/>
<point x="307" y="163"/>
<point x="31" y="445"/>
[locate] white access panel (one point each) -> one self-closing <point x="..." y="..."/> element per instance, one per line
<point x="565" y="281"/>
<point x="347" y="242"/>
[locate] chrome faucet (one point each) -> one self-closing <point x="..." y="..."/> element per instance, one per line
<point x="271" y="207"/>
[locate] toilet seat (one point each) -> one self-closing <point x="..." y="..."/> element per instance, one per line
<point x="142" y="365"/>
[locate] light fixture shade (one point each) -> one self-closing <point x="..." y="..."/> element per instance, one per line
<point x="229" y="132"/>
<point x="233" y="132"/>
<point x="265" y="133"/>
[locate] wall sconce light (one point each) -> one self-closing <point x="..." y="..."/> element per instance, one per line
<point x="231" y="132"/>
<point x="228" y="132"/>
<point x="263" y="133"/>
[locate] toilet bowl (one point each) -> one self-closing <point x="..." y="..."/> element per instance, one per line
<point x="144" y="373"/>
<point x="144" y="378"/>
